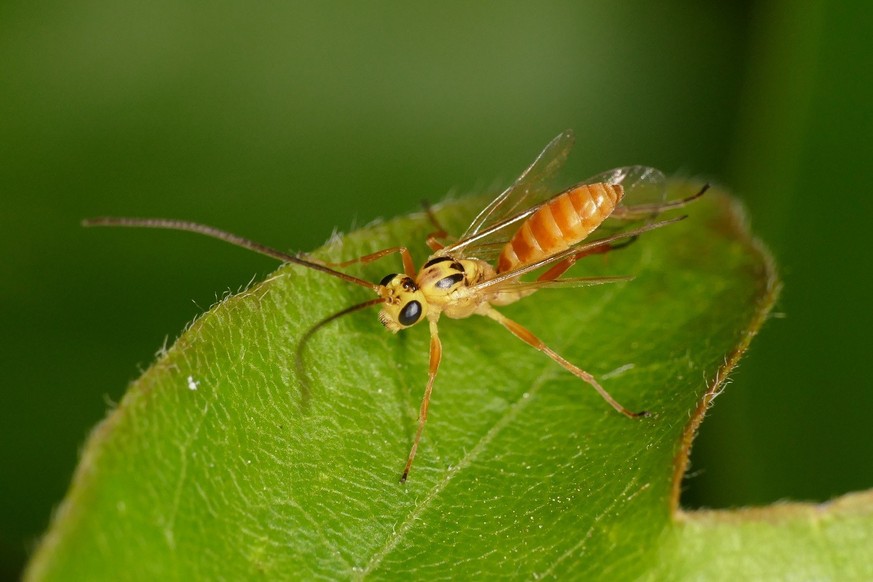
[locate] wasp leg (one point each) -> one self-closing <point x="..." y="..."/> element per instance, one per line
<point x="436" y="353"/>
<point x="640" y="211"/>
<point x="440" y="232"/>
<point x="561" y="267"/>
<point x="528" y="337"/>
<point x="408" y="264"/>
<point x="432" y="240"/>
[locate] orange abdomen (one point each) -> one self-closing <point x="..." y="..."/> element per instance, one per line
<point x="559" y="224"/>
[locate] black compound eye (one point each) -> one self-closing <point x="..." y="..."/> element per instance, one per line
<point x="410" y="313"/>
<point x="387" y="279"/>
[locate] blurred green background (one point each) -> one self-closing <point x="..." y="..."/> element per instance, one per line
<point x="284" y="121"/>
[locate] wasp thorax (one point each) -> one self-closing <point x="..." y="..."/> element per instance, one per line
<point x="441" y="276"/>
<point x="404" y="305"/>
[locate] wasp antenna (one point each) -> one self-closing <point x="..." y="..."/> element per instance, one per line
<point x="211" y="231"/>
<point x="301" y="345"/>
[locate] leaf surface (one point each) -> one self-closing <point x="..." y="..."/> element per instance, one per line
<point x="211" y="467"/>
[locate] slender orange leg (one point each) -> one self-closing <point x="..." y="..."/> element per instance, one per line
<point x="561" y="267"/>
<point x="432" y="241"/>
<point x="439" y="233"/>
<point x="558" y="269"/>
<point x="527" y="336"/>
<point x="408" y="264"/>
<point x="436" y="353"/>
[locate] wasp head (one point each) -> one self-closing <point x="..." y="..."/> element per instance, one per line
<point x="404" y="303"/>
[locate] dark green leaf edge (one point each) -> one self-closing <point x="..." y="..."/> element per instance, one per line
<point x="739" y="227"/>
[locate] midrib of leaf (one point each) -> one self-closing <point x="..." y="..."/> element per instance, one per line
<point x="409" y="522"/>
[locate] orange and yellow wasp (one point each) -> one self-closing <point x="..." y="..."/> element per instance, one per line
<point x="525" y="230"/>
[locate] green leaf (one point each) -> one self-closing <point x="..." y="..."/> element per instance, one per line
<point x="211" y="467"/>
<point x="788" y="541"/>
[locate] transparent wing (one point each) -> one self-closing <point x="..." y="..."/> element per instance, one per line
<point x="644" y="187"/>
<point x="512" y="279"/>
<point x="645" y="194"/>
<point x="528" y="191"/>
<point x="645" y="198"/>
<point x="642" y="184"/>
<point x="518" y="286"/>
